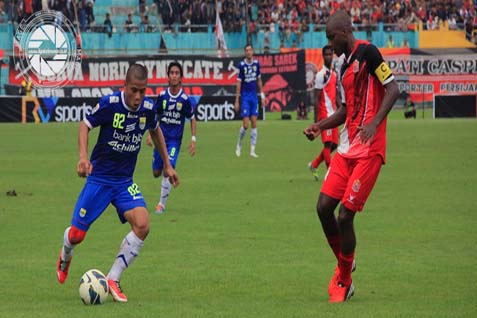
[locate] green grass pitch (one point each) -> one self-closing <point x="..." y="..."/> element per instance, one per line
<point x="241" y="237"/>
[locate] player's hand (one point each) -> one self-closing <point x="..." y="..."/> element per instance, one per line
<point x="366" y="132"/>
<point x="236" y="105"/>
<point x="149" y="140"/>
<point x="312" y="131"/>
<point x="84" y="168"/>
<point x="170" y="173"/>
<point x="192" y="148"/>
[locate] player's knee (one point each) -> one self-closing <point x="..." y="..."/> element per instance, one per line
<point x="323" y="209"/>
<point x="141" y="230"/>
<point x="156" y="173"/>
<point x="345" y="218"/>
<point x="75" y="235"/>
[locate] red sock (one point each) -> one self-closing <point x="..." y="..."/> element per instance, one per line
<point x="335" y="244"/>
<point x="326" y="156"/>
<point x="316" y="162"/>
<point x="345" y="263"/>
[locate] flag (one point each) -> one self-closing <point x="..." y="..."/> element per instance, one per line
<point x="219" y="35"/>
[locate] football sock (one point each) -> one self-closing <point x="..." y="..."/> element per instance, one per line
<point x="335" y="244"/>
<point x="316" y="162"/>
<point x="253" y="137"/>
<point x="345" y="264"/>
<point x="165" y="189"/>
<point x="327" y="156"/>
<point x="242" y="133"/>
<point x="67" y="250"/>
<point x="128" y="251"/>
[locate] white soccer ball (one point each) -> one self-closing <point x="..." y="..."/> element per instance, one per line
<point x="93" y="287"/>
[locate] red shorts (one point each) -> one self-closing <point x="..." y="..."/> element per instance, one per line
<point x="351" y="180"/>
<point x="330" y="135"/>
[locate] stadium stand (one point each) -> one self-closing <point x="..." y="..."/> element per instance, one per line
<point x="268" y="24"/>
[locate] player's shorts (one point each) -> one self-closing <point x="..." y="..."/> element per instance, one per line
<point x="95" y="198"/>
<point x="249" y="106"/>
<point x="351" y="180"/>
<point x="173" y="148"/>
<point x="330" y="135"/>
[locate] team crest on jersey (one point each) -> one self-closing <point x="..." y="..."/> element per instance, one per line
<point x="355" y="66"/>
<point x="113" y="99"/>
<point x="179" y="106"/>
<point x="142" y="122"/>
<point x="82" y="212"/>
<point x="356" y="185"/>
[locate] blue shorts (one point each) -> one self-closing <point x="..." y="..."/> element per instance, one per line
<point x="173" y="148"/>
<point x="95" y="198"/>
<point x="249" y="106"/>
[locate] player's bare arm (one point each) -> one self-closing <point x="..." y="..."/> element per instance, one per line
<point x="84" y="167"/>
<point x="237" y="96"/>
<point x="193" y="127"/>
<point x="318" y="93"/>
<point x="149" y="140"/>
<point x="390" y="97"/>
<point x="260" y="90"/>
<point x="338" y="118"/>
<point x="160" y="144"/>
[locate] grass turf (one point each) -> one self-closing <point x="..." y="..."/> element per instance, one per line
<point x="240" y="237"/>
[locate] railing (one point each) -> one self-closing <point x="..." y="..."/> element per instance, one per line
<point x="200" y="39"/>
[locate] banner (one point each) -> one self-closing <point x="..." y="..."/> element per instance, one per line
<point x="283" y="76"/>
<point x="216" y="108"/>
<point x="420" y="73"/>
<point x="42" y="110"/>
<point x="38" y="110"/>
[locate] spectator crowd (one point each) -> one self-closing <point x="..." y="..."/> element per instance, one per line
<point x="286" y="16"/>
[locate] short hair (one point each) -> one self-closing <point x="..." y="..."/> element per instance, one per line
<point x="340" y="20"/>
<point x="326" y="48"/>
<point x="247" y="45"/>
<point x="176" y="64"/>
<point x="137" y="71"/>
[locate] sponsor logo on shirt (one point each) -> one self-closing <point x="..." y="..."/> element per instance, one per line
<point x="148" y="104"/>
<point x="171" y="117"/>
<point x="125" y="142"/>
<point x="130" y="127"/>
<point x="121" y="147"/>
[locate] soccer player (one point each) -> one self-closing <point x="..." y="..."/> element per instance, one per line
<point x="123" y="117"/>
<point x="369" y="90"/>
<point x="173" y="107"/>
<point x="325" y="94"/>
<point x="249" y="83"/>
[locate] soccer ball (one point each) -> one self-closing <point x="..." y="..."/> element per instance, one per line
<point x="93" y="287"/>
